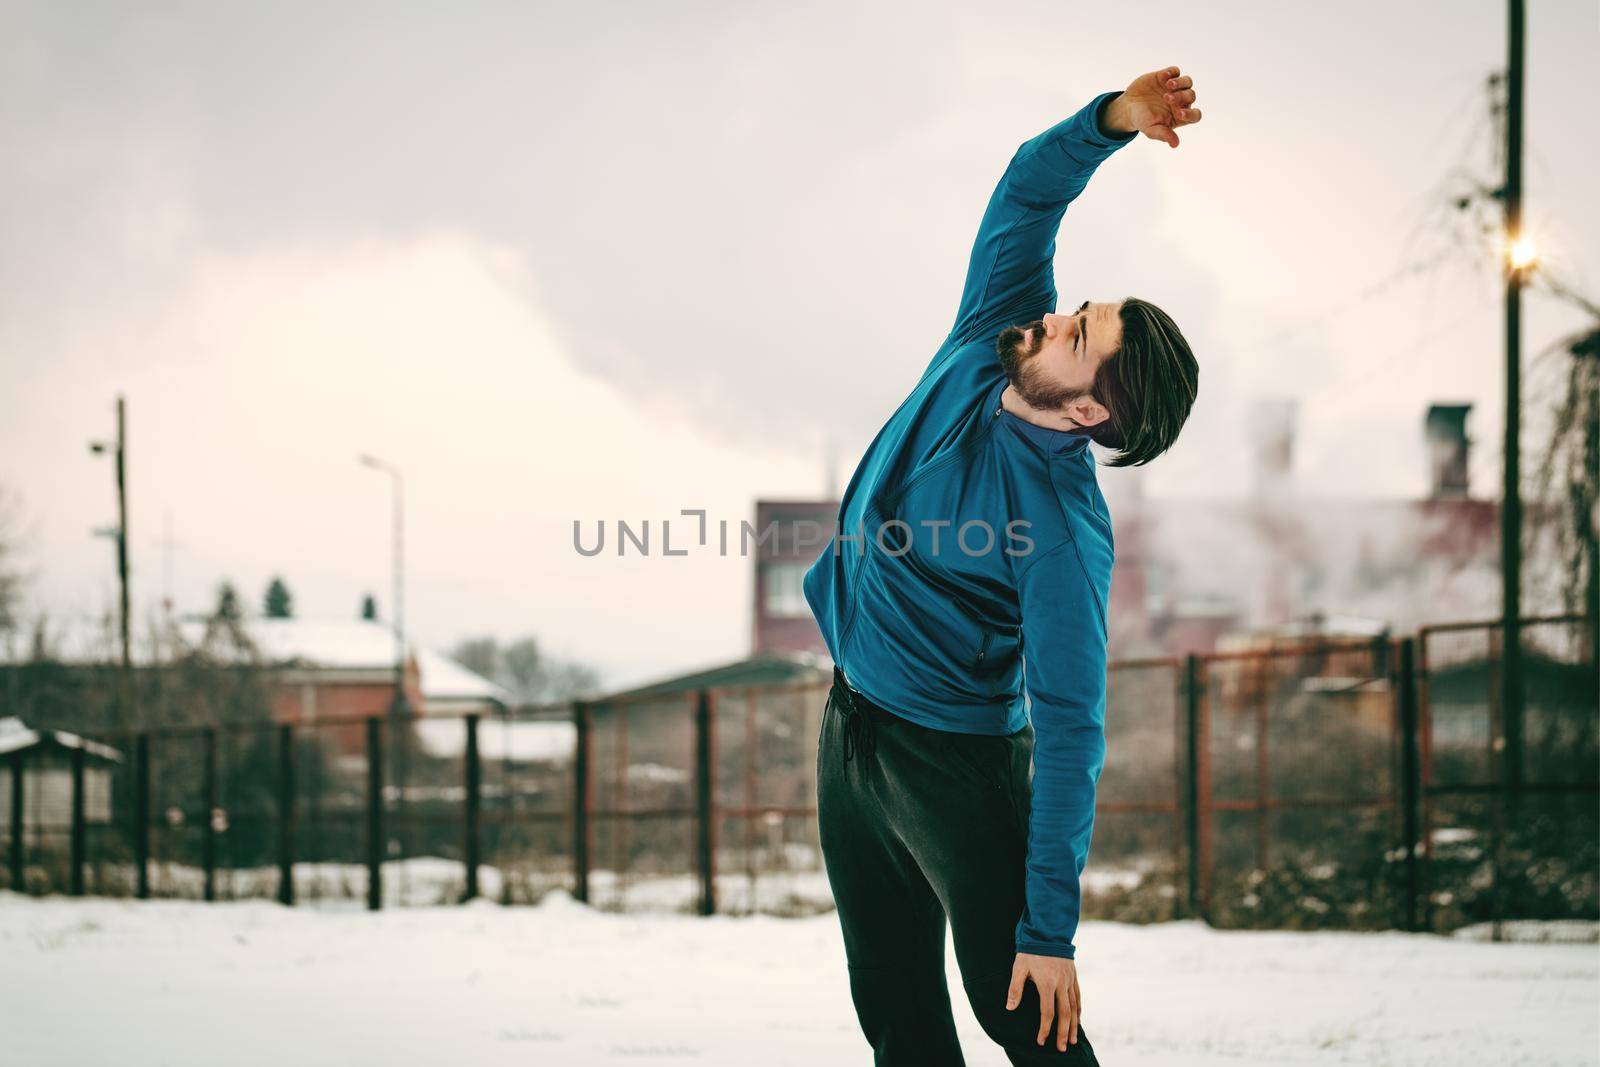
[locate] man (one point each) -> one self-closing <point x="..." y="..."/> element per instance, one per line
<point x="963" y="599"/>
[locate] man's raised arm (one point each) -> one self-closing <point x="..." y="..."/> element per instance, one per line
<point x="1009" y="278"/>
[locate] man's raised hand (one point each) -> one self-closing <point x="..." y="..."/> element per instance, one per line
<point x="1156" y="104"/>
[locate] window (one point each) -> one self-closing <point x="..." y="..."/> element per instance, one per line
<point x="781" y="594"/>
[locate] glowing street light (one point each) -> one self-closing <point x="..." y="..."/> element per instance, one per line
<point x="1521" y="253"/>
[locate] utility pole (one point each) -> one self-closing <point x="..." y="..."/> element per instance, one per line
<point x="122" y="531"/>
<point x="1518" y="260"/>
<point x="118" y="449"/>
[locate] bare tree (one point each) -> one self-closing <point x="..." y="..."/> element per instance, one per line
<point x="522" y="668"/>
<point x="479" y="654"/>
<point x="1569" y="475"/>
<point x="10" y="569"/>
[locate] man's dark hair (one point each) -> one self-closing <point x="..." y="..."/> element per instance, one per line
<point x="1148" y="385"/>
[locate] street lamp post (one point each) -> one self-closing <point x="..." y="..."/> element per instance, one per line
<point x="398" y="484"/>
<point x="399" y="708"/>
<point x="1519" y="260"/>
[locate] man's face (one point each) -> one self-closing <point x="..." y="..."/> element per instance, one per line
<point x="1053" y="361"/>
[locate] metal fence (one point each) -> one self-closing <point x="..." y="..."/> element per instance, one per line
<point x="1359" y="784"/>
<point x="1508" y="822"/>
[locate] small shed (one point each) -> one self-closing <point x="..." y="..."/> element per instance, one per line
<point x="44" y="759"/>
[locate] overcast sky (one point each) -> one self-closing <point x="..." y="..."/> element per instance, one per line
<point x="589" y="260"/>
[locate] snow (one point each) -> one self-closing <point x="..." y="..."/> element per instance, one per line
<point x="443" y="679"/>
<point x="16" y="734"/>
<point x="569" y="986"/>
<point x="799" y="887"/>
<point x="500" y="739"/>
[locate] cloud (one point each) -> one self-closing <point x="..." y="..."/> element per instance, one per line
<point x="295" y="231"/>
<point x="251" y="395"/>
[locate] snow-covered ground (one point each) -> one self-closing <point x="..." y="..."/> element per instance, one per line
<point x="90" y="982"/>
<point x="797" y="887"/>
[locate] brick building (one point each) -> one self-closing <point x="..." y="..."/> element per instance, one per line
<point x="790" y="533"/>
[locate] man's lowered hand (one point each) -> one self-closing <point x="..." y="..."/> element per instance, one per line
<point x="1056" y="979"/>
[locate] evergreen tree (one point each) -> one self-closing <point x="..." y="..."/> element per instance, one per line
<point x="279" y="603"/>
<point x="227" y="603"/>
<point x="369" y="608"/>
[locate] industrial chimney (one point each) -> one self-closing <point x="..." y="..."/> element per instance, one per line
<point x="1271" y="427"/>
<point x="1446" y="432"/>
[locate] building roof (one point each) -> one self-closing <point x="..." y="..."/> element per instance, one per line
<point x="763" y="669"/>
<point x="16" y="735"/>
<point x="360" y="645"/>
<point x="323" y="644"/>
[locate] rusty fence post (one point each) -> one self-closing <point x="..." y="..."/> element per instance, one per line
<point x="705" y="815"/>
<point x="1180" y="794"/>
<point x="581" y="795"/>
<point x="375" y="840"/>
<point x="1410" y="779"/>
<point x="1424" y="781"/>
<point x="19" y="764"/>
<point x="286" y="814"/>
<point x="1260" y="668"/>
<point x="79" y="829"/>
<point x="208" y="820"/>
<point x="141" y="816"/>
<point x="1191" y="807"/>
<point x="469" y="844"/>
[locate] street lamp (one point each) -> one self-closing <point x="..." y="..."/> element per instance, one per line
<point x="399" y="712"/>
<point x="1521" y="253"/>
<point x="398" y="484"/>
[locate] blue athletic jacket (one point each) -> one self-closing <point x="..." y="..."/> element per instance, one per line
<point x="966" y="585"/>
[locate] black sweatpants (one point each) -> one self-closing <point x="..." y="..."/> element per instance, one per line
<point x="918" y="825"/>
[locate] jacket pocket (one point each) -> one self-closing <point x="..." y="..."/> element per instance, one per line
<point x="983" y="651"/>
<point x="983" y="760"/>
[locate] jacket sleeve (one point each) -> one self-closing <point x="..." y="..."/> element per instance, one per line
<point x="1064" y="664"/>
<point x="1009" y="278"/>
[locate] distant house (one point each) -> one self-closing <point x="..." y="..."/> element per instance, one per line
<point x="337" y="670"/>
<point x="329" y="669"/>
<point x="318" y="671"/>
<point x="45" y="757"/>
<point x="789" y="535"/>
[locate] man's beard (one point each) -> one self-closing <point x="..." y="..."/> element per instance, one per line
<point x="1023" y="371"/>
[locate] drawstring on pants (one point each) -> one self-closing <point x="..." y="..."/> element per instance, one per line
<point x="859" y="735"/>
